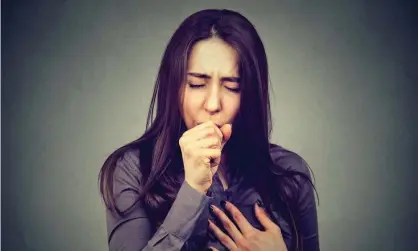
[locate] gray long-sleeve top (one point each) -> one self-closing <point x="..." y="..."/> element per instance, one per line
<point x="187" y="219"/>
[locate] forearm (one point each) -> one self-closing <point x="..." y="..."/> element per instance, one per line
<point x="134" y="234"/>
<point x="183" y="217"/>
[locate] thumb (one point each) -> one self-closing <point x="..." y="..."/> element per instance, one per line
<point x="226" y="132"/>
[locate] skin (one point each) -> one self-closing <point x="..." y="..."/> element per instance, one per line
<point x="211" y="93"/>
<point x="212" y="88"/>
<point x="201" y="149"/>
<point x="244" y="236"/>
<point x="210" y="101"/>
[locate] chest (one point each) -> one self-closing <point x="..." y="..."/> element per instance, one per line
<point x="244" y="198"/>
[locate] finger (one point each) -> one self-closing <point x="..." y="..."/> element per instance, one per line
<point x="264" y="218"/>
<point x="244" y="226"/>
<point x="211" y="124"/>
<point x="209" y="142"/>
<point x="213" y="248"/>
<point x="211" y="157"/>
<point x="207" y="125"/>
<point x="204" y="133"/>
<point x="222" y="237"/>
<point x="217" y="130"/>
<point x="198" y="127"/>
<point x="228" y="224"/>
<point x="210" y="153"/>
<point x="226" y="132"/>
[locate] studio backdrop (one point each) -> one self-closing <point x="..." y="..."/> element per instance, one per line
<point x="77" y="80"/>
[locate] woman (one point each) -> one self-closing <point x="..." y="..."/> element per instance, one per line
<point x="200" y="174"/>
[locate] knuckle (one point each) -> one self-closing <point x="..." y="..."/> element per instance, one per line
<point x="187" y="149"/>
<point x="237" y="216"/>
<point x="217" y="142"/>
<point x="184" y="134"/>
<point x="228" y="225"/>
<point x="223" y="239"/>
<point x="212" y="140"/>
<point x="276" y="230"/>
<point x="244" y="246"/>
<point x="241" y="243"/>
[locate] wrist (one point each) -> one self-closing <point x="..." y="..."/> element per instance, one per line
<point x="200" y="189"/>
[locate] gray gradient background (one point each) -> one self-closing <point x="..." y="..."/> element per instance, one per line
<point x="77" y="78"/>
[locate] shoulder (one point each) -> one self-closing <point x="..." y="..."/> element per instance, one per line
<point x="297" y="176"/>
<point x="127" y="178"/>
<point x="288" y="160"/>
<point x="128" y="159"/>
<point x="127" y="169"/>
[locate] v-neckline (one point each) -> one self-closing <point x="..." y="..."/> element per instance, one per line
<point x="223" y="181"/>
<point x="222" y="176"/>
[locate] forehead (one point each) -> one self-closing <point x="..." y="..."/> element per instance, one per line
<point x="213" y="56"/>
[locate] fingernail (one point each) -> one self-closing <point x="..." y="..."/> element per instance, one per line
<point x="260" y="204"/>
<point x="223" y="204"/>
<point x="211" y="209"/>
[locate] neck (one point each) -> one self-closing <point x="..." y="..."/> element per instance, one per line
<point x="222" y="168"/>
<point x="223" y="160"/>
<point x="222" y="165"/>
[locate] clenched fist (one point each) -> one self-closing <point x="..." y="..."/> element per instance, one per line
<point x="201" y="149"/>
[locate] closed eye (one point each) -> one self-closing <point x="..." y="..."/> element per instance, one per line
<point x="236" y="90"/>
<point x="196" y="85"/>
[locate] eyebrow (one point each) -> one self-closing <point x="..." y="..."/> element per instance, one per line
<point x="205" y="76"/>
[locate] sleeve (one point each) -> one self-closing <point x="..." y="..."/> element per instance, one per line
<point x="308" y="219"/>
<point x="133" y="231"/>
<point x="306" y="204"/>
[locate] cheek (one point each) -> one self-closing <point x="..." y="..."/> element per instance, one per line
<point x="233" y="107"/>
<point x="190" y="105"/>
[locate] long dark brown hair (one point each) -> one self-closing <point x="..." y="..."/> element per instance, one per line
<point x="160" y="155"/>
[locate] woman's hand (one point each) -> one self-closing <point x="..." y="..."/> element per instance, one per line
<point x="246" y="237"/>
<point x="201" y="149"/>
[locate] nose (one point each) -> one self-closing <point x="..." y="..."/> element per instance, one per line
<point x="213" y="100"/>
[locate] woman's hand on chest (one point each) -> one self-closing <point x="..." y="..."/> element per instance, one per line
<point x="245" y="236"/>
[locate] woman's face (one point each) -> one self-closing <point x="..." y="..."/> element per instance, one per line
<point x="212" y="90"/>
